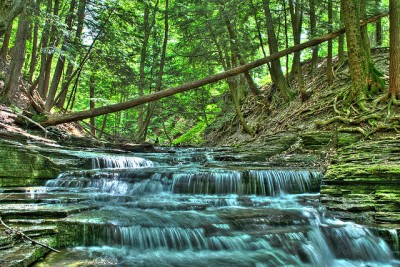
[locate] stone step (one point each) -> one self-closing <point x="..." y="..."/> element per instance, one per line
<point x="41" y="211"/>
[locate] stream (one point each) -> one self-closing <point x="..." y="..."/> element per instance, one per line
<point x="202" y="207"/>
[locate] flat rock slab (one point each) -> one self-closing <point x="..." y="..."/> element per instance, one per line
<point x="26" y="198"/>
<point x="34" y="211"/>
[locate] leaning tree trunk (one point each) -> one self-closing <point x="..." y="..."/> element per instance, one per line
<point x="394" y="67"/>
<point x="358" y="61"/>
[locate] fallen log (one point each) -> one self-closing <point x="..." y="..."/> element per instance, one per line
<point x="48" y="120"/>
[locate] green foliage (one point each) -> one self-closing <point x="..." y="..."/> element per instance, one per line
<point x="192" y="137"/>
<point x="109" y="52"/>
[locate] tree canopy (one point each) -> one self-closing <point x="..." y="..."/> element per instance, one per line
<point x="123" y="63"/>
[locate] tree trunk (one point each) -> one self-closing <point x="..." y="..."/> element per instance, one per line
<point x="17" y="62"/>
<point x="341" y="43"/>
<point x="6" y="42"/>
<point x="44" y="56"/>
<point x="313" y="30"/>
<point x="378" y="25"/>
<point x="394" y="67"/>
<point x="103" y="126"/>
<point x="276" y="68"/>
<point x="235" y="87"/>
<point x="235" y="98"/>
<point x="142" y="75"/>
<point x="358" y="61"/>
<point x="234" y="42"/>
<point x="9" y="10"/>
<point x="286" y="27"/>
<point x="49" y="58"/>
<point x="364" y="30"/>
<point x="80" y="115"/>
<point x="329" y="68"/>
<point x="92" y="104"/>
<point x="61" y="61"/>
<point x="142" y="131"/>
<point x="35" y="37"/>
<point x="259" y="35"/>
<point x="296" y="14"/>
<point x="60" y="100"/>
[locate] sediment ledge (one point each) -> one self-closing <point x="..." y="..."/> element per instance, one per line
<point x="364" y="178"/>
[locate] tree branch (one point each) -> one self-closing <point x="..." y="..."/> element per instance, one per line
<point x="24" y="236"/>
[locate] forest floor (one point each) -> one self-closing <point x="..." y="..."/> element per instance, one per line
<point x="269" y="115"/>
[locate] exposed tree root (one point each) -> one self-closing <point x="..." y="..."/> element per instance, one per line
<point x="380" y="99"/>
<point x="347" y="120"/>
<point x="353" y="129"/>
<point x="385" y="127"/>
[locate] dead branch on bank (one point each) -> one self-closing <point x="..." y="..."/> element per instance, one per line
<point x="25" y="118"/>
<point x="22" y="236"/>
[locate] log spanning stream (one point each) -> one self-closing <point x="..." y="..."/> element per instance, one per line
<point x="197" y="207"/>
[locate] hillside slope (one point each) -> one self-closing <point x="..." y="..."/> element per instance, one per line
<point x="357" y="151"/>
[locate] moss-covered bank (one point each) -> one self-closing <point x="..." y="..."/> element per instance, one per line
<point x="22" y="166"/>
<point x="364" y="178"/>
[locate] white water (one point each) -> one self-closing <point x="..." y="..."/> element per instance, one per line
<point x="179" y="213"/>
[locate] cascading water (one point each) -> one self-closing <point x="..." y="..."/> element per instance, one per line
<point x="178" y="212"/>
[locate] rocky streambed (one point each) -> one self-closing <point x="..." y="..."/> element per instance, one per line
<point x="359" y="185"/>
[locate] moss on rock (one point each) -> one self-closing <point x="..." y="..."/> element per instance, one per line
<point x="21" y="166"/>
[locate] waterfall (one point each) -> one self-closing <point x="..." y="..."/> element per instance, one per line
<point x="120" y="162"/>
<point x="172" y="209"/>
<point x="253" y="182"/>
<point x="276" y="182"/>
<point x="207" y="183"/>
